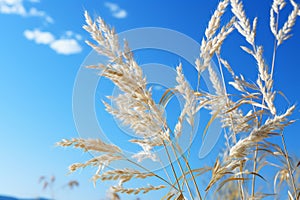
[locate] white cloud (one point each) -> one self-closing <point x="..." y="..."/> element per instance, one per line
<point x="115" y="10"/>
<point x="12" y="7"/>
<point x="39" y="37"/>
<point x="17" y="7"/>
<point x="66" y="45"/>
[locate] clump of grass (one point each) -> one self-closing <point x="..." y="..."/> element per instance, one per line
<point x="247" y="128"/>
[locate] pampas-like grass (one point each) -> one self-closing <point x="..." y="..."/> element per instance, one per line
<point x="247" y="129"/>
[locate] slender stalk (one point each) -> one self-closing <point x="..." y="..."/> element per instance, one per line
<point x="274" y="48"/>
<point x="165" y="170"/>
<point x="161" y="178"/>
<point x="271" y="74"/>
<point x="193" y="177"/>
<point x="241" y="185"/>
<point x="286" y="155"/>
<point x="172" y="166"/>
<point x="181" y="170"/>
<point x="225" y="91"/>
<point x="273" y="59"/>
<point x="241" y="190"/>
<point x="190" y="171"/>
<point x="188" y="166"/>
<point x="240" y="182"/>
<point x="180" y="166"/>
<point x="255" y="160"/>
<point x="254" y="170"/>
<point x="198" y="81"/>
<point x="178" y="161"/>
<point x="151" y="107"/>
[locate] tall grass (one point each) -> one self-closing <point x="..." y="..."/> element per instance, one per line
<point x="250" y="118"/>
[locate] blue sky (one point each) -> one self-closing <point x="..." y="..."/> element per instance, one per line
<point x="42" y="48"/>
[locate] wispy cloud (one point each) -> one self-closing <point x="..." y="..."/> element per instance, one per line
<point x="39" y="13"/>
<point x="72" y="34"/>
<point x="115" y="10"/>
<point x="17" y="7"/>
<point x="66" y="44"/>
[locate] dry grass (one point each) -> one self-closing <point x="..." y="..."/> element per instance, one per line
<point x="247" y="128"/>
